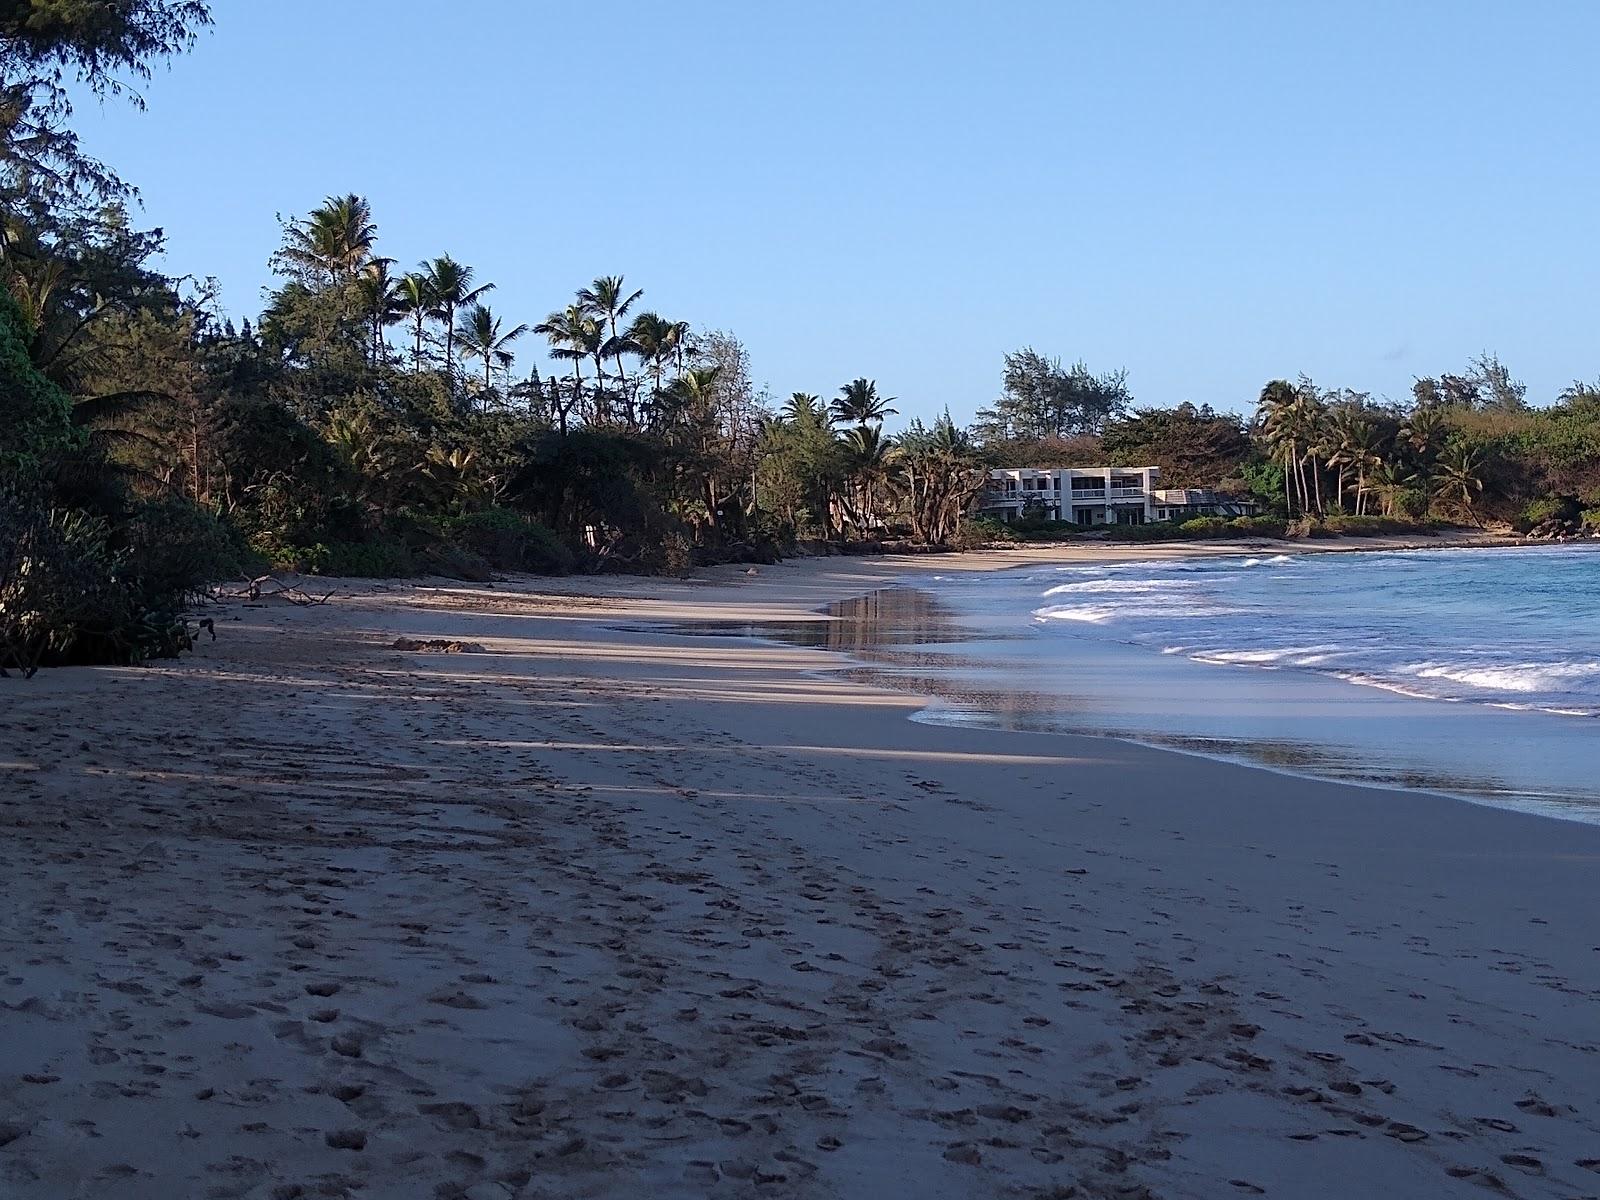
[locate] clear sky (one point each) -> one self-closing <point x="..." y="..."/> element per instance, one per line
<point x="1208" y="194"/>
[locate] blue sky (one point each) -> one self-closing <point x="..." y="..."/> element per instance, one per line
<point x="1209" y="195"/>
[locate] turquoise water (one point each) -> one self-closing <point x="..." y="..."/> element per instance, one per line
<point x="1470" y="672"/>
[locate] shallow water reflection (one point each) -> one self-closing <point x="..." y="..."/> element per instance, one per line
<point x="983" y="672"/>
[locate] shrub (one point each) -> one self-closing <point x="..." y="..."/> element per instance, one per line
<point x="1205" y="527"/>
<point x="1158" y="531"/>
<point x="1272" y="527"/>
<point x="509" y="541"/>
<point x="453" y="562"/>
<point x="67" y="596"/>
<point x="383" y="558"/>
<point x="175" y="548"/>
<point x="1200" y="528"/>
<point x="1350" y="525"/>
<point x="981" y="531"/>
<point x="1546" y="508"/>
<point x="1044" y="530"/>
<point x="677" y="554"/>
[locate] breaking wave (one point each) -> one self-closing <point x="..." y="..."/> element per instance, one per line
<point x="1488" y="627"/>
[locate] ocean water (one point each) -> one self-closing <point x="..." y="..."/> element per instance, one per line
<point x="1515" y="628"/>
<point x="1465" y="672"/>
<point x="1470" y="672"/>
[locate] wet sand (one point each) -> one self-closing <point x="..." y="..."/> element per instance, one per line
<point x="604" y="911"/>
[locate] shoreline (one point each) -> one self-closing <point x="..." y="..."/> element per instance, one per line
<point x="972" y="694"/>
<point x="610" y="911"/>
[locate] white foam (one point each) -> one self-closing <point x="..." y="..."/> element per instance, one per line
<point x="1509" y="677"/>
<point x="1132" y="587"/>
<point x="1093" y="614"/>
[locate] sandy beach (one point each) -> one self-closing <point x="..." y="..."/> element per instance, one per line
<point x="602" y="911"/>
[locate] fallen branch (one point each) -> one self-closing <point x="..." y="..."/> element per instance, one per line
<point x="256" y="589"/>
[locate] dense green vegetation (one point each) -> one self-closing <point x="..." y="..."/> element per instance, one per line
<point x="373" y="419"/>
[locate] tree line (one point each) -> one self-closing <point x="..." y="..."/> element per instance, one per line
<point x="373" y="418"/>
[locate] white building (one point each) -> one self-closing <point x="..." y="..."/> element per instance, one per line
<point x="1101" y="496"/>
<point x="1084" y="495"/>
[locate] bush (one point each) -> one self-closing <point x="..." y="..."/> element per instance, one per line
<point x="1157" y="531"/>
<point x="1038" y="530"/>
<point x="1350" y="525"/>
<point x="67" y="596"/>
<point x="509" y="541"/>
<point x="1271" y="527"/>
<point x="453" y="562"/>
<point x="1200" y="528"/>
<point x="1547" y="508"/>
<point x="175" y="549"/>
<point x="381" y="559"/>
<point x="982" y="531"/>
<point x="676" y="556"/>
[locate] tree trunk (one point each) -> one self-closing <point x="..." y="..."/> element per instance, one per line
<point x="450" y="347"/>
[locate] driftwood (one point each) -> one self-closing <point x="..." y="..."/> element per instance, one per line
<point x="270" y="587"/>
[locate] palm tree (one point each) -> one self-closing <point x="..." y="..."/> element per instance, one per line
<point x="689" y="418"/>
<point x="1459" y="478"/>
<point x="571" y="332"/>
<point x="1390" y="480"/>
<point x="381" y="299"/>
<point x="1351" y="445"/>
<point x="681" y="342"/>
<point x="450" y="289"/>
<point x="802" y="408"/>
<point x="859" y="404"/>
<point x="1277" y="417"/>
<point x="655" y="339"/>
<point x="337" y="238"/>
<point x="479" y="334"/>
<point x="607" y="299"/>
<point x="869" y="456"/>
<point x="415" y="303"/>
<point x="1422" y="434"/>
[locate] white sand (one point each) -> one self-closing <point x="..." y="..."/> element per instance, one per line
<point x="604" y="913"/>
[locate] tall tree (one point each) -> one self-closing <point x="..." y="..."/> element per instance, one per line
<point x="480" y="335"/>
<point x="942" y="477"/>
<point x="656" y="340"/>
<point x="415" y="302"/>
<point x="1040" y="399"/>
<point x="104" y="46"/>
<point x="450" y="290"/>
<point x="335" y="241"/>
<point x="572" y="333"/>
<point x="859" y="404"/>
<point x="802" y="406"/>
<point x="382" y="301"/>
<point x="609" y="299"/>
